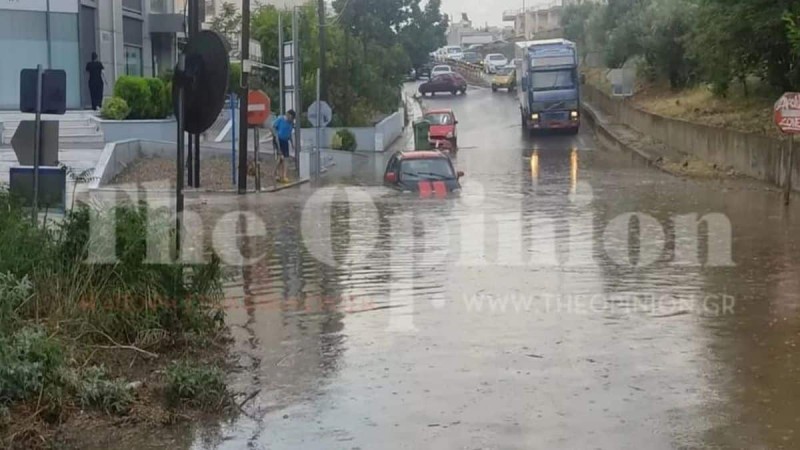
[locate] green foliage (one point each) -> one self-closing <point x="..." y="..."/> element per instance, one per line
<point x="148" y="98"/>
<point x="133" y="294"/>
<point x="136" y="93"/>
<point x="344" y="139"/>
<point x="689" y="41"/>
<point x="29" y="360"/>
<point x="21" y="249"/>
<point x="576" y="21"/>
<point x="96" y="390"/>
<point x="371" y="45"/>
<point x="228" y="22"/>
<point x="198" y="386"/>
<point x="14" y="293"/>
<point x="235" y="78"/>
<point x="115" y="108"/>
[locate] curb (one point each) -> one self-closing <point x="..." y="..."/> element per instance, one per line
<point x="600" y="127"/>
<point x="190" y="191"/>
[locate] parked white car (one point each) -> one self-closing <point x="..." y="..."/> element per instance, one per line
<point x="494" y="61"/>
<point x="438" y="70"/>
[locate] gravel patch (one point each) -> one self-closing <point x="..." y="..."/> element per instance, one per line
<point x="215" y="173"/>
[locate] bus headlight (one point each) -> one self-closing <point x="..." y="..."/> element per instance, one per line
<point x="535" y="116"/>
<point x="573" y="115"/>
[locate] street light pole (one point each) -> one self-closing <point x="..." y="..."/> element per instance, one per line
<point x="524" y="21"/>
<point x="322" y="50"/>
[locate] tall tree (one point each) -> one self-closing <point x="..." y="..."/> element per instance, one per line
<point x="228" y="22"/>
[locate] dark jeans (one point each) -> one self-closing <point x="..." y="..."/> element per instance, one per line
<point x="96" y="91"/>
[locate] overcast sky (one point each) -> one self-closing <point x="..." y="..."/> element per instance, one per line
<point x="481" y="11"/>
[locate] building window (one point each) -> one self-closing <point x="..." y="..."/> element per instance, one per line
<point x="133" y="39"/>
<point x="133" y="61"/>
<point x="132" y="5"/>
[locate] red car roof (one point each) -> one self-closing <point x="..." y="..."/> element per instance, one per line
<point x="423" y="155"/>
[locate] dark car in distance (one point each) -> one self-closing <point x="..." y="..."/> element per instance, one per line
<point x="472" y="58"/>
<point x="445" y="82"/>
<point x="430" y="173"/>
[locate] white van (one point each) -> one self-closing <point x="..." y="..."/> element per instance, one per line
<point x="454" y="52"/>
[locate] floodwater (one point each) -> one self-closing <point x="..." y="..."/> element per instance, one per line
<point x="530" y="312"/>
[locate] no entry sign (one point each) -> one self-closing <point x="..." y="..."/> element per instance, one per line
<point x="257" y="108"/>
<point x="787" y="113"/>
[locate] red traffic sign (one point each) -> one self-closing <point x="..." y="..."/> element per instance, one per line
<point x="787" y="113"/>
<point x="258" y="104"/>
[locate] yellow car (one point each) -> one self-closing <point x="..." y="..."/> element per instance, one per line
<point x="505" y="78"/>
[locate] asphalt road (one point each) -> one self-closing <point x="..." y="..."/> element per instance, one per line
<point x="567" y="299"/>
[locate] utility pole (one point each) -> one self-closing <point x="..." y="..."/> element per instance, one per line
<point x="524" y="21"/>
<point x="243" y="103"/>
<point x="322" y="49"/>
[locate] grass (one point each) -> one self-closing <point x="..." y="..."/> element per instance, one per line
<point x="199" y="386"/>
<point x="749" y="112"/>
<point x="74" y="334"/>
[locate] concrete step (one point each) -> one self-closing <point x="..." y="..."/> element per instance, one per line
<point x="79" y="131"/>
<point x="13" y="125"/>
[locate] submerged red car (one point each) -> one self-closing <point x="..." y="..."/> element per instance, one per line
<point x="430" y="173"/>
<point x="443" y="128"/>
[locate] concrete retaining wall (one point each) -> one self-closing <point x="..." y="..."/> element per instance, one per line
<point x="368" y="139"/>
<point x="757" y="156"/>
<point x="154" y="130"/>
<point x="118" y="155"/>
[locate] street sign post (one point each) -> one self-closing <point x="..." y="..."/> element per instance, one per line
<point x="23" y="142"/>
<point x="258" y="111"/>
<point x="320" y="114"/>
<point x="258" y="108"/>
<point x="787" y="118"/>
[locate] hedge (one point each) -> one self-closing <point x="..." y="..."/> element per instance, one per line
<point x="148" y="98"/>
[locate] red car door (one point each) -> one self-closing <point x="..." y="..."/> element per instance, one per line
<point x="439" y="83"/>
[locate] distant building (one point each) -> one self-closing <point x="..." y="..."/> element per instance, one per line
<point x="463" y="34"/>
<point x="131" y="37"/>
<point x="541" y="21"/>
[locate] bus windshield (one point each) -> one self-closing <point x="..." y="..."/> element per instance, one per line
<point x="552" y="80"/>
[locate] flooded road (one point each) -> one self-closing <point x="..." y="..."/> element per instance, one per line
<point x="570" y="298"/>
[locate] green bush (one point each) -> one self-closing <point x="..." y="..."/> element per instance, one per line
<point x="115" y="108"/>
<point x="148" y="98"/>
<point x="96" y="390"/>
<point x="156" y="107"/>
<point x="29" y="361"/>
<point x="136" y="93"/>
<point x="200" y="387"/>
<point x="344" y="140"/>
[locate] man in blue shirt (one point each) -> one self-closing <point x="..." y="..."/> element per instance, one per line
<point x="283" y="129"/>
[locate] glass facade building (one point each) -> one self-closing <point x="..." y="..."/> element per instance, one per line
<point x="30" y="35"/>
<point x="131" y="37"/>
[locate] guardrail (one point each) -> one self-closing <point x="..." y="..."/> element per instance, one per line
<point x="472" y="72"/>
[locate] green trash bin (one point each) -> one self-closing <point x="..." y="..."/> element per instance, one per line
<point x="422" y="129"/>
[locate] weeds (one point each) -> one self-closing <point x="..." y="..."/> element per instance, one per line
<point x="197" y="386"/>
<point x="55" y="304"/>
<point x="96" y="389"/>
